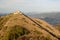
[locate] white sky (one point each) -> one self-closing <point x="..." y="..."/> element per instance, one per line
<point x="30" y="5"/>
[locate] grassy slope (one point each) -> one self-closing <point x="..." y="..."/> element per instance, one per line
<point x="15" y="26"/>
<point x="58" y="27"/>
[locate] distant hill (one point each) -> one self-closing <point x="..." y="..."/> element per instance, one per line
<point x="52" y="18"/>
<point x="1" y="14"/>
<point x="18" y="26"/>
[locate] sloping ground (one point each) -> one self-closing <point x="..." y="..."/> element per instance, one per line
<point x="4" y="19"/>
<point x="19" y="27"/>
<point x="33" y="37"/>
<point x="57" y="26"/>
<point x="48" y="27"/>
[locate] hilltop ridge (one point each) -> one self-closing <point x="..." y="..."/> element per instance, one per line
<point x="18" y="26"/>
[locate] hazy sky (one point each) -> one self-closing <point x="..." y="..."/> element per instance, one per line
<point x="30" y="5"/>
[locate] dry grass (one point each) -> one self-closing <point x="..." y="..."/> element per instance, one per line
<point x="17" y="26"/>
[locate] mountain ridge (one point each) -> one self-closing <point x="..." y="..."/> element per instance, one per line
<point x="19" y="20"/>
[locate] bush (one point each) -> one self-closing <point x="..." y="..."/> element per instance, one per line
<point x="12" y="33"/>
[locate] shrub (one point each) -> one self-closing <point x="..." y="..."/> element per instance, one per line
<point x="12" y="33"/>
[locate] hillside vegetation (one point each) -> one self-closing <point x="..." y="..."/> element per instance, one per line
<point x="17" y="26"/>
<point x="57" y="26"/>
